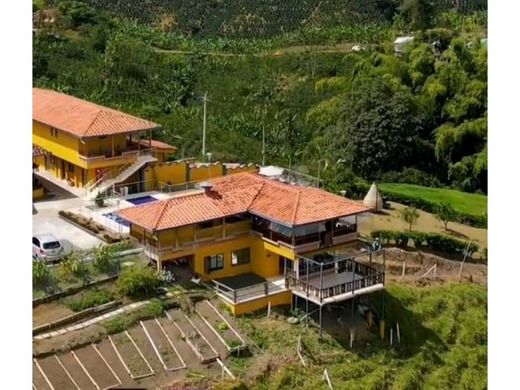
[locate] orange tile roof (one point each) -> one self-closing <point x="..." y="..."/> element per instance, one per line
<point x="82" y="118"/>
<point x="157" y="144"/>
<point x="244" y="192"/>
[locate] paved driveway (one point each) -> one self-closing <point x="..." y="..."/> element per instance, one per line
<point x="47" y="220"/>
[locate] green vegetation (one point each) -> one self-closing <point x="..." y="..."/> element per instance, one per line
<point x="360" y="116"/>
<point x="443" y="345"/>
<point x="72" y="266"/>
<point x="410" y="216"/>
<point x="124" y="321"/>
<point x="138" y="282"/>
<point x="445" y="212"/>
<point x="440" y="243"/>
<point x="104" y="258"/>
<point x="89" y="299"/>
<point x="41" y="274"/>
<point x="463" y="202"/>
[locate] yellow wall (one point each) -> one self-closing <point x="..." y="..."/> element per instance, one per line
<point x="94" y="146"/>
<point x="174" y="172"/>
<point x="206" y="172"/>
<point x="241" y="168"/>
<point x="283" y="298"/>
<point x="65" y="146"/>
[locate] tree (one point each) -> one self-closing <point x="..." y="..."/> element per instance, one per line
<point x="410" y="216"/>
<point x="446" y="213"/>
<point x="138" y="282"/>
<point x="379" y="127"/>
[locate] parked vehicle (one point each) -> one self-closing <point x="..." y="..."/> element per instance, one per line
<point x="47" y="248"/>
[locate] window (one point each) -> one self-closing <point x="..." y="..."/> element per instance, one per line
<point x="214" y="263"/>
<point x="71" y="167"/>
<point x="54" y="132"/>
<point x="36" y="242"/>
<point x="241" y="256"/>
<point x="52" y="159"/>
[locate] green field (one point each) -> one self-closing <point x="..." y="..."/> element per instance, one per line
<point x="464" y="202"/>
<point x="443" y="346"/>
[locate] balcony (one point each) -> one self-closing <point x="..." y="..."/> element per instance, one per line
<point x="247" y="287"/>
<point x="334" y="279"/>
<point x="309" y="242"/>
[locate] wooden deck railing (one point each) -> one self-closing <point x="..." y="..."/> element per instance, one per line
<point x="245" y="293"/>
<point x="369" y="277"/>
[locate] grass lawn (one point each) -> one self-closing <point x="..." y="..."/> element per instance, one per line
<point x="475" y="204"/>
<point x="443" y="346"/>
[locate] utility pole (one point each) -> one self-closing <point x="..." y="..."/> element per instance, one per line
<point x="204" y="99"/>
<point x="263" y="144"/>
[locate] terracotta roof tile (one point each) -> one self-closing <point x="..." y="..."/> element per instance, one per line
<point x="245" y="192"/>
<point x="82" y="118"/>
<point x="157" y="144"/>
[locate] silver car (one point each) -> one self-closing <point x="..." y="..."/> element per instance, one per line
<point x="47" y="248"/>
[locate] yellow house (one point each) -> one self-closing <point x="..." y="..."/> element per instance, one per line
<point x="257" y="241"/>
<point x="87" y="144"/>
<point x="90" y="149"/>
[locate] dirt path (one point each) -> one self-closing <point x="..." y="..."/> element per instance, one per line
<point x="49" y="312"/>
<point x="338" y="48"/>
<point x="391" y="220"/>
<point x="57" y="376"/>
<point x="96" y="367"/>
<point x="110" y="356"/>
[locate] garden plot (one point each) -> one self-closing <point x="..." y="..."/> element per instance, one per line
<point x="141" y="340"/>
<point x="108" y="352"/>
<point x="39" y="381"/>
<point x="209" y="334"/>
<point x="131" y="356"/>
<point x="96" y="368"/>
<point x="196" y="340"/>
<point x="191" y="359"/>
<point x="76" y="372"/>
<point x="163" y="346"/>
<point x="221" y="327"/>
<point x="58" y="377"/>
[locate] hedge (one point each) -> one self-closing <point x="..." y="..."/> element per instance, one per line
<point x="478" y="221"/>
<point x="433" y="241"/>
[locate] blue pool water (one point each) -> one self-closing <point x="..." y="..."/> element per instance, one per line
<point x="142" y="199"/>
<point x="112" y="216"/>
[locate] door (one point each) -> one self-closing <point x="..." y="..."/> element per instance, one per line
<point x="63" y="169"/>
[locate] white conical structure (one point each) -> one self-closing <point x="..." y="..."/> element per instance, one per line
<point x="373" y="198"/>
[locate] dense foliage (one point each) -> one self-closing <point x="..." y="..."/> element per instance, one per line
<point x="369" y="115"/>
<point x="138" y="282"/>
<point x="443" y="346"/>
<point x="430" y="241"/>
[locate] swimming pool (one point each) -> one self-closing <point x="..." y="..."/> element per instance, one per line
<point x="142" y="200"/>
<point x="114" y="217"/>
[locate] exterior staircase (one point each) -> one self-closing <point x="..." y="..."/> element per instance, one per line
<point x="117" y="175"/>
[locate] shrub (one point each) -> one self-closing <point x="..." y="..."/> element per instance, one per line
<point x="72" y="266"/>
<point x="432" y="241"/>
<point x="100" y="202"/>
<point x="410" y="216"/>
<point x="104" y="258"/>
<point x="40" y="273"/>
<point x="90" y="299"/>
<point x="445" y="213"/>
<point x="138" y="282"/>
<point x="222" y="327"/>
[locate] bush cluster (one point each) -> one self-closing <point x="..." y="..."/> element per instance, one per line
<point x="90" y="299"/>
<point x="432" y="241"/>
<point x="478" y="221"/>
<point x="138" y="282"/>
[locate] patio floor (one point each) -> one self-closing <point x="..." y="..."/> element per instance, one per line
<point x="241" y="281"/>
